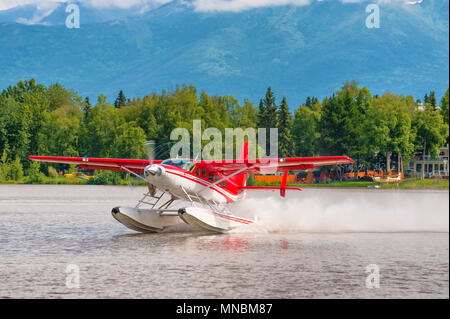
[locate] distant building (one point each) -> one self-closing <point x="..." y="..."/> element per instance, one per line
<point x="421" y="107"/>
<point x="432" y="166"/>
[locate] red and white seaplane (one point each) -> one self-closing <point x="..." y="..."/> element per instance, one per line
<point x="202" y="188"/>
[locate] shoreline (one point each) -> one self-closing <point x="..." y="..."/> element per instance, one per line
<point x="417" y="185"/>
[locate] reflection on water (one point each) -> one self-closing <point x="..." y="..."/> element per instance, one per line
<point x="45" y="228"/>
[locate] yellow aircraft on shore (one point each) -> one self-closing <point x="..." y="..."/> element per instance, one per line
<point x="79" y="175"/>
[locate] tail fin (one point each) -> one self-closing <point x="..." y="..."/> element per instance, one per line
<point x="241" y="179"/>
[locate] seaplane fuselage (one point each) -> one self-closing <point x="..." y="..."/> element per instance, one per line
<point x="185" y="180"/>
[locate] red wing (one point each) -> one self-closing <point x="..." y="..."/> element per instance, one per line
<point x="256" y="166"/>
<point x="110" y="164"/>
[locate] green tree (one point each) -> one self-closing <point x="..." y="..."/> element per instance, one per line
<point x="305" y="130"/>
<point x="444" y="107"/>
<point x="15" y="127"/>
<point x="98" y="130"/>
<point x="308" y="102"/>
<point x="120" y="100"/>
<point x="4" y="168"/>
<point x="433" y="100"/>
<point x="261" y="114"/>
<point x="60" y="131"/>
<point x="388" y="127"/>
<point x="102" y="100"/>
<point x="431" y="132"/>
<point x="86" y="107"/>
<point x="143" y="113"/>
<point x="129" y="141"/>
<point x="211" y="115"/>
<point x="59" y="96"/>
<point x="23" y="111"/>
<point x="330" y="127"/>
<point x="244" y="116"/>
<point x="341" y="124"/>
<point x="285" y="139"/>
<point x="16" y="170"/>
<point x="34" y="174"/>
<point x="270" y="114"/>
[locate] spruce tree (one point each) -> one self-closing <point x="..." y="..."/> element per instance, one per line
<point x="121" y="100"/>
<point x="270" y="119"/>
<point x="86" y="107"/>
<point x="308" y="102"/>
<point x="285" y="140"/>
<point x="261" y="114"/>
<point x="444" y="107"/>
<point x="433" y="101"/>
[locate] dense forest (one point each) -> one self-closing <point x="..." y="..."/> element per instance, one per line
<point x="53" y="120"/>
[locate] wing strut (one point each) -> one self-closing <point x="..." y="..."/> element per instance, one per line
<point x="225" y="178"/>
<point x="131" y="172"/>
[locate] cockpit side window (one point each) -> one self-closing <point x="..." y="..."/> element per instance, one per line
<point x="185" y="164"/>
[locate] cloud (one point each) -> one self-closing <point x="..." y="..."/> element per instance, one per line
<point x="240" y="5"/>
<point x="124" y="4"/>
<point x="8" y="4"/>
<point x="44" y="10"/>
<point x="198" y="5"/>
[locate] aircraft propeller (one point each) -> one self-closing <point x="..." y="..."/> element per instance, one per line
<point x="150" y="148"/>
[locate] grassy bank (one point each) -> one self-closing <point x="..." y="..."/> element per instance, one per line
<point x="47" y="180"/>
<point x="109" y="178"/>
<point x="74" y="181"/>
<point x="101" y="178"/>
<point x="419" y="184"/>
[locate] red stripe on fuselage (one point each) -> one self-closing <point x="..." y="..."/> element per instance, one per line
<point x="229" y="199"/>
<point x="206" y="181"/>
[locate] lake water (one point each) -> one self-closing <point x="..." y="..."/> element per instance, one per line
<point x="318" y="243"/>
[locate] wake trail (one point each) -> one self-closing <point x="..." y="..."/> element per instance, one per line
<point x="339" y="211"/>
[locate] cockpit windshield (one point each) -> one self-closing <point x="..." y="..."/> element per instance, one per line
<point x="185" y="164"/>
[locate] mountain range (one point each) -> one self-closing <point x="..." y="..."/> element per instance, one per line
<point x="299" y="51"/>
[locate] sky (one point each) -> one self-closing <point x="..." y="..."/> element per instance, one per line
<point x="199" y="5"/>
